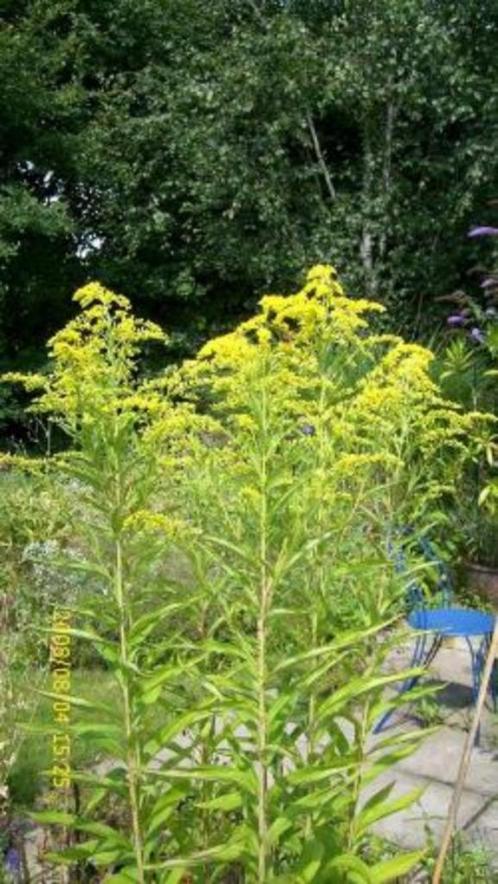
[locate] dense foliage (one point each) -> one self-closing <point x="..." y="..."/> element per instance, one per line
<point x="231" y="520"/>
<point x="195" y="154"/>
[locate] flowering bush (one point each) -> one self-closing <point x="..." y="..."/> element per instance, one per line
<point x="234" y="513"/>
<point x="466" y="373"/>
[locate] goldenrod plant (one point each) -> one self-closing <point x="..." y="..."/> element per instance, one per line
<point x="234" y="515"/>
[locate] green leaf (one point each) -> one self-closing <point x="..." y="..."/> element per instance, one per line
<point x="228" y="801"/>
<point x="399" y="700"/>
<point x="312" y="861"/>
<point x="395" y="868"/>
<point x="245" y="779"/>
<point x="105" y="856"/>
<point x="145" y="624"/>
<point x="367" y="817"/>
<point x="378" y="797"/>
<point x="347" y="639"/>
<point x="163" y="808"/>
<point x="77" y="852"/>
<point x="175" y="876"/>
<point x="231" y="547"/>
<point x="104" y="831"/>
<point x="124" y="876"/>
<point x="86" y="635"/>
<point x="348" y="868"/>
<point x="116" y="783"/>
<point x="410" y="739"/>
<point x="179" y="724"/>
<point x="356" y="688"/>
<point x="113" y="731"/>
<point x="386" y="762"/>
<point x="53" y="817"/>
<point x="220" y="853"/>
<point x="315" y="774"/>
<point x="70" y="564"/>
<point x="152" y="686"/>
<point x="279" y="825"/>
<point x="79" y="702"/>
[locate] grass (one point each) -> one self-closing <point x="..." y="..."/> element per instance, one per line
<point x="26" y="778"/>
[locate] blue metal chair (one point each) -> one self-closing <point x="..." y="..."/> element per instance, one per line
<point x="434" y="624"/>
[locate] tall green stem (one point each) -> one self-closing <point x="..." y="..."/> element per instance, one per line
<point x="264" y="599"/>
<point x="133" y="751"/>
<point x="319" y="571"/>
<point x="358" y="773"/>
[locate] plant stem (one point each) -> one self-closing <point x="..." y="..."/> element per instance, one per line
<point x="358" y="776"/>
<point x="264" y="597"/>
<point x="319" y="570"/>
<point x="465" y="757"/>
<point x="133" y="754"/>
<point x="311" y="718"/>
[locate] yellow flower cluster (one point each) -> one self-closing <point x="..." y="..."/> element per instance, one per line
<point x="370" y="396"/>
<point x="350" y="463"/>
<point x="93" y="361"/>
<point x="17" y="461"/>
<point x="291" y="331"/>
<point x="150" y="521"/>
<point x="331" y="382"/>
<point x="319" y="310"/>
<point x="31" y="382"/>
<point x="94" y="293"/>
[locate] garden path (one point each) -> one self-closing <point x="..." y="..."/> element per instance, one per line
<point x="435" y="764"/>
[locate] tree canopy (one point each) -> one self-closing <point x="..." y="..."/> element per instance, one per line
<point x="193" y="155"/>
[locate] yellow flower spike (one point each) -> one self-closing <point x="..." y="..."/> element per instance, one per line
<point x="94" y="292"/>
<point x="18" y="461"/>
<point x="322" y="272"/>
<point x="93" y="363"/>
<point x="30" y="382"/>
<point x="149" y="521"/>
<point x="245" y="422"/>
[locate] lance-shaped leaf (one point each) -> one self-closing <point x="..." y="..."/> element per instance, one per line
<point x="357" y="687"/>
<point x="347" y="867"/>
<point x="394" y="869"/>
<point x="211" y="773"/>
<point x="378" y="811"/>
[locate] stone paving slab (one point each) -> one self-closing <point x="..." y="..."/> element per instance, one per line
<point x="484" y="828"/>
<point x="434" y="765"/>
<point x="413" y="827"/>
<point x="438" y="759"/>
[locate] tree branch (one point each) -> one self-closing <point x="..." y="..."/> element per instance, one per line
<point x="320" y="157"/>
<point x="309" y="120"/>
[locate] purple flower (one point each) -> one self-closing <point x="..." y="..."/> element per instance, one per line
<point x="490" y="281"/>
<point x="477" y="335"/>
<point x="483" y="231"/>
<point x="456" y="319"/>
<point x="13" y="862"/>
<point x="308" y="430"/>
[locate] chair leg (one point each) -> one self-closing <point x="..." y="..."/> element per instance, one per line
<point x="433" y="650"/>
<point x="493" y="682"/>
<point x="478" y="658"/>
<point x="494" y="686"/>
<point x="419" y="658"/>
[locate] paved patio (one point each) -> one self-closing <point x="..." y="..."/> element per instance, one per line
<point x="434" y="765"/>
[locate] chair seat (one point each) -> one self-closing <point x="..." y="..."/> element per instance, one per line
<point x="452" y="621"/>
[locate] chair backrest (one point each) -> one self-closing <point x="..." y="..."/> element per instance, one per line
<point x="444" y="582"/>
<point x="414" y="593"/>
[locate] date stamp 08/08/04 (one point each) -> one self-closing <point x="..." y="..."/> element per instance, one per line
<point x="60" y="673"/>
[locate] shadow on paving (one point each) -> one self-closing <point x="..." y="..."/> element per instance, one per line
<point x="434" y="766"/>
